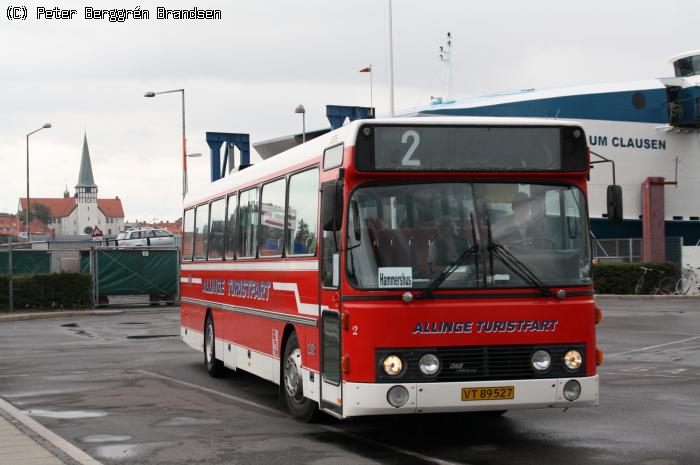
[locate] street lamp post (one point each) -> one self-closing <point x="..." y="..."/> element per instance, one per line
<point x="302" y="110"/>
<point x="26" y="213"/>
<point x="184" y="139"/>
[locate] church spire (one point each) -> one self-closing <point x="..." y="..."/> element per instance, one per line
<point x="85" y="178"/>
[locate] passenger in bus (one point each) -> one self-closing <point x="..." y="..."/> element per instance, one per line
<point x="447" y="246"/>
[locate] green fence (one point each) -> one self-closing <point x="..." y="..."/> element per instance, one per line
<point x="25" y="262"/>
<point x="135" y="272"/>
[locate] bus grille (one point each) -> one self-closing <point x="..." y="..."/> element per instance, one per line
<point x="477" y="363"/>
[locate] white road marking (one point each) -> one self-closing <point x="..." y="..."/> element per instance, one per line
<point x="680" y="341"/>
<point x="327" y="428"/>
<point x="645" y="374"/>
<point x="399" y="450"/>
<point x="212" y="391"/>
<point x="69" y="449"/>
<point x="70" y="373"/>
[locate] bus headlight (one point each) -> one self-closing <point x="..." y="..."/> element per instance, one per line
<point x="572" y="390"/>
<point x="397" y="396"/>
<point x="541" y="360"/>
<point x="393" y="366"/>
<point x="573" y="359"/>
<point x="429" y="364"/>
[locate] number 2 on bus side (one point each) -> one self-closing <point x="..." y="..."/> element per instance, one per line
<point x="407" y="160"/>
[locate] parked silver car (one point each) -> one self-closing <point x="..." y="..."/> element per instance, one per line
<point x="144" y="237"/>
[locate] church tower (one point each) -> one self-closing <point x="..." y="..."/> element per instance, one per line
<point x="86" y="189"/>
<point x="86" y="196"/>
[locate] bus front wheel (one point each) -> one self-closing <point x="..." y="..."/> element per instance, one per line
<point x="215" y="367"/>
<point x="301" y="407"/>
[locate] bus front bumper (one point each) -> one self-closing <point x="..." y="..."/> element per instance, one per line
<point x="371" y="398"/>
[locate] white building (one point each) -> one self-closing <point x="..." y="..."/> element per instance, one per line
<point x="84" y="212"/>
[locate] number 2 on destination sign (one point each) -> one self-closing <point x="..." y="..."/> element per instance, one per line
<point x="407" y="160"/>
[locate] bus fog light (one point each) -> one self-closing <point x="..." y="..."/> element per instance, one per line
<point x="573" y="359"/>
<point x="572" y="389"/>
<point x="397" y="396"/>
<point x="429" y="364"/>
<point x="541" y="360"/>
<point x="392" y="365"/>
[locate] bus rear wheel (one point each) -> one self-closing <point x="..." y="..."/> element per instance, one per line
<point x="299" y="406"/>
<point x="214" y="366"/>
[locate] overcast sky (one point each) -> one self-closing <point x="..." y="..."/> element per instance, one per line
<point x="248" y="71"/>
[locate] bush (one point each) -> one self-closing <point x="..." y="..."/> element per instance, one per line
<point x="48" y="290"/>
<point x="621" y="278"/>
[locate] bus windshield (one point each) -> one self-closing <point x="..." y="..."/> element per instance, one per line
<point x="401" y="236"/>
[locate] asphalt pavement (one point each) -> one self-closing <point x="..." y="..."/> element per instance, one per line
<point x="125" y="390"/>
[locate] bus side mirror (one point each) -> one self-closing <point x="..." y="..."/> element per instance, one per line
<point x="615" y="204"/>
<point x="332" y="205"/>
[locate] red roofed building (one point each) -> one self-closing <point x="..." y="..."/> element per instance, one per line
<point x="174" y="227"/>
<point x="9" y="224"/>
<point x="83" y="212"/>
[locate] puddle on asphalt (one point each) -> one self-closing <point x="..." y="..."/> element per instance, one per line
<point x="82" y="332"/>
<point x="484" y="447"/>
<point x="152" y="336"/>
<point x="79" y="332"/>
<point x="188" y="421"/>
<point x="66" y="415"/>
<point x="128" y="451"/>
<point x="100" y="438"/>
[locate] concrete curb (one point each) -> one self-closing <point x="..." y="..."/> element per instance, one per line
<point x="59" y="314"/>
<point x="645" y="297"/>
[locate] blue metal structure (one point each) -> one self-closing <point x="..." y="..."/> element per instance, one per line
<point x="215" y="139"/>
<point x="337" y="113"/>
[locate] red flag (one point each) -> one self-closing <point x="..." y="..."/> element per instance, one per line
<point x="366" y="69"/>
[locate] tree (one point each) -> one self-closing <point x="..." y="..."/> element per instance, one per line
<point x="37" y="211"/>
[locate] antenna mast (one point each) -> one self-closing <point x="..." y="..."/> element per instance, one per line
<point x="446" y="57"/>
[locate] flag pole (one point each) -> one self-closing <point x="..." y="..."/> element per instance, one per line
<point x="391" y="65"/>
<point x="370" y="86"/>
<point x="368" y="69"/>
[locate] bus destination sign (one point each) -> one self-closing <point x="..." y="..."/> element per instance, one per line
<point x="471" y="148"/>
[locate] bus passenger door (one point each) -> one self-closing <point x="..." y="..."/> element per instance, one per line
<point x="331" y="374"/>
<point x="331" y="391"/>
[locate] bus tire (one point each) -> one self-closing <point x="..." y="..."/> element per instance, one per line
<point x="214" y="367"/>
<point x="299" y="406"/>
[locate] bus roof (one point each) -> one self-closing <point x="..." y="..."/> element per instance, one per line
<point x="312" y="150"/>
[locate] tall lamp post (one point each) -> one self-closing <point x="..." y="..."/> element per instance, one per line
<point x="184" y="139"/>
<point x="26" y="213"/>
<point x="302" y="110"/>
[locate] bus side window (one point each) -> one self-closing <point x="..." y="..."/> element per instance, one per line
<point x="272" y="218"/>
<point x="333" y="157"/>
<point x="217" y="218"/>
<point x="302" y="213"/>
<point x="231" y="219"/>
<point x="188" y="235"/>
<point x="331" y="258"/>
<point x="248" y="223"/>
<point x="201" y="232"/>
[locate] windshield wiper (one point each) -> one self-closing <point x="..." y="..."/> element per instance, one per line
<point x="514" y="264"/>
<point x="447" y="271"/>
<point x="439" y="279"/>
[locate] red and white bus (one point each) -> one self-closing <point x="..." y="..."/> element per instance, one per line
<point x="426" y="265"/>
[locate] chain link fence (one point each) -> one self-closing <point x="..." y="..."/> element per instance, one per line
<point x="629" y="250"/>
